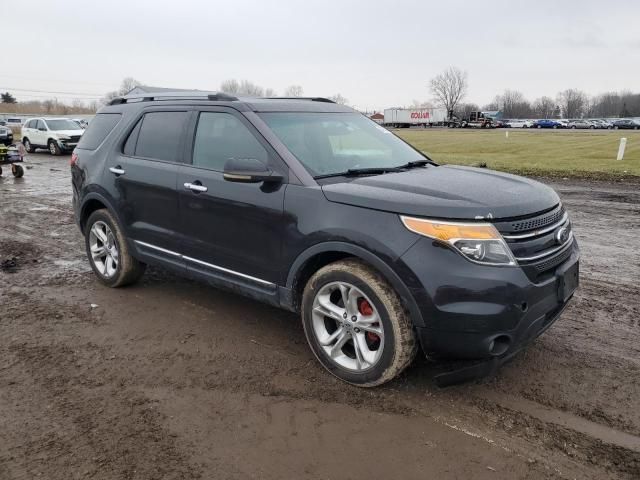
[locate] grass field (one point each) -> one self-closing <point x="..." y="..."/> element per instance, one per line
<point x="549" y="153"/>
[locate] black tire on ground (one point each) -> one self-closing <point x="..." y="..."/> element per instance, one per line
<point x="129" y="269"/>
<point x="0" y="171"/>
<point x="572" y="126"/>
<point x="399" y="346"/>
<point x="27" y="145"/>
<point x="17" y="171"/>
<point x="54" y="149"/>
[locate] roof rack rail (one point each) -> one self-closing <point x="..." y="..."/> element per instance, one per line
<point x="177" y="95"/>
<point x="310" y="99"/>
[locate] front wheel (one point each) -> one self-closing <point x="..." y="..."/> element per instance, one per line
<point x="356" y="325"/>
<point x="108" y="251"/>
<point x="54" y="149"/>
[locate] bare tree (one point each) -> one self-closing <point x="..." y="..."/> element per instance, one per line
<point x="463" y="110"/>
<point x="545" y="107"/>
<point x="127" y="84"/>
<point x="513" y="104"/>
<point x="449" y="87"/>
<point x="572" y="102"/>
<point x="231" y="86"/>
<point x="270" y="92"/>
<point x="293" y="91"/>
<point x="245" y="87"/>
<point x="339" y="99"/>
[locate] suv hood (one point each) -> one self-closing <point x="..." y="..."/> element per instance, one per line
<point x="70" y="133"/>
<point x="447" y="192"/>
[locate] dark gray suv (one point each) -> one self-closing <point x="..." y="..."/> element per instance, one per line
<point x="310" y="206"/>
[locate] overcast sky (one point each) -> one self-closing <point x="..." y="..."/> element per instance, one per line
<point x="375" y="53"/>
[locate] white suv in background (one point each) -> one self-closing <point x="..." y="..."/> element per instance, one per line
<point x="57" y="135"/>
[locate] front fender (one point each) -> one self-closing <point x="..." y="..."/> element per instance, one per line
<point x="286" y="293"/>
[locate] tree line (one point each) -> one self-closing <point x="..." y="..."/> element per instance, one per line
<point x="450" y="87"/>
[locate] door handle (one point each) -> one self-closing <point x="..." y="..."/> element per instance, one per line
<point x="194" y="187"/>
<point x="117" y="170"/>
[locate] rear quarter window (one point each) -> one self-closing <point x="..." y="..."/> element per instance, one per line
<point x="98" y="130"/>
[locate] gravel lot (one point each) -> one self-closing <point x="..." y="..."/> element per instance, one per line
<point x="172" y="379"/>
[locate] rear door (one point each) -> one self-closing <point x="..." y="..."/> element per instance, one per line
<point x="40" y="134"/>
<point x="231" y="232"/>
<point x="142" y="180"/>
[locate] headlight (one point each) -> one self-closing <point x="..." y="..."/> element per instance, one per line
<point x="477" y="242"/>
<point x="63" y="137"/>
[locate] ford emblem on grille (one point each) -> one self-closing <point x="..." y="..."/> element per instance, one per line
<point x="562" y="235"/>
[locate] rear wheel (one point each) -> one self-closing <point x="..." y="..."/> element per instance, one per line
<point x="27" y="146"/>
<point x="539" y="126"/>
<point x="54" y="149"/>
<point x="108" y="251"/>
<point x="356" y="325"/>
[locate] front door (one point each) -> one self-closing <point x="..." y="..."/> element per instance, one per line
<point x="143" y="183"/>
<point x="230" y="231"/>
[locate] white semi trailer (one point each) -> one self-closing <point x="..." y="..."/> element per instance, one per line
<point x="407" y="117"/>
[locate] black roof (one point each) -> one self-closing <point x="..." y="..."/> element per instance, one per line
<point x="256" y="104"/>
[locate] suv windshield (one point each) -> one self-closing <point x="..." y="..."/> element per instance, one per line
<point x="331" y="143"/>
<point x="63" y="125"/>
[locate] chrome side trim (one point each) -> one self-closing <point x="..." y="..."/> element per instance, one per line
<point x="548" y="252"/>
<point x="205" y="264"/>
<point x="163" y="250"/>
<point x="542" y="231"/>
<point x="226" y="270"/>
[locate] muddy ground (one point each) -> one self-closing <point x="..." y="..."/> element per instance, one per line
<point x="172" y="379"/>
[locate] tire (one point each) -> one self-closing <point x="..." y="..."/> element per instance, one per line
<point x="615" y="127"/>
<point x="396" y="344"/>
<point x="573" y="127"/>
<point x="53" y="147"/>
<point x="539" y="126"/>
<point x="125" y="269"/>
<point x="0" y="171"/>
<point x="17" y="171"/>
<point x="27" y="146"/>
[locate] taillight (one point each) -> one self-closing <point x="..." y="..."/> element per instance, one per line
<point x="74" y="159"/>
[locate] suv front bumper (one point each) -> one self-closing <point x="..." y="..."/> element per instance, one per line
<point x="471" y="311"/>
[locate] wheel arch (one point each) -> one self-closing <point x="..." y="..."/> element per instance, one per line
<point x="317" y="256"/>
<point x="95" y="201"/>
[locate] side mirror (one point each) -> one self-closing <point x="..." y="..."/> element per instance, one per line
<point x="249" y="170"/>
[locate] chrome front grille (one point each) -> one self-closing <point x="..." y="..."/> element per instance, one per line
<point x="544" y="244"/>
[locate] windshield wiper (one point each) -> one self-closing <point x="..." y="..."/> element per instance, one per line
<point x="354" y="172"/>
<point x="417" y="163"/>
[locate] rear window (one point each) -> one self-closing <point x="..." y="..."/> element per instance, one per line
<point x="160" y="135"/>
<point x="100" y="127"/>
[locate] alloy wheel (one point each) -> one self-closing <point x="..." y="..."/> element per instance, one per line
<point x="104" y="250"/>
<point x="347" y="326"/>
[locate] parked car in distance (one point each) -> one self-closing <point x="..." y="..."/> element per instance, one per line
<point x="81" y="122"/>
<point x="547" y="123"/>
<point x="6" y="136"/>
<point x="57" y="135"/>
<point x="310" y="206"/>
<point x="626" y="124"/>
<point x="14" y="121"/>
<point x="520" y="123"/>
<point x="580" y="123"/>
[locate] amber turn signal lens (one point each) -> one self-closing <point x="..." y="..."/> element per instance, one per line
<point x="446" y="231"/>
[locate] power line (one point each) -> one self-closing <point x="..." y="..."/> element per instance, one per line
<point x="92" y="95"/>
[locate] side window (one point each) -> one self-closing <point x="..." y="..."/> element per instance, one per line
<point x="160" y="135"/>
<point x="220" y="137"/>
<point x="130" y="144"/>
<point x="40" y="125"/>
<point x="101" y="126"/>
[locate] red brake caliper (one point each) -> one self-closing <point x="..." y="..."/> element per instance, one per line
<point x="365" y="308"/>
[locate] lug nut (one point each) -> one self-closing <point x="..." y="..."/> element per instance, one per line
<point x="354" y="318"/>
